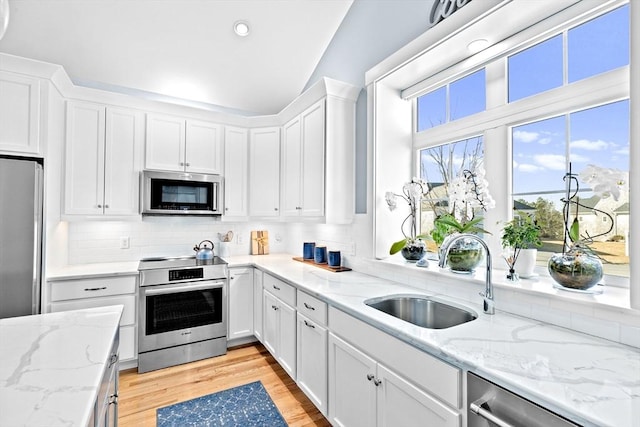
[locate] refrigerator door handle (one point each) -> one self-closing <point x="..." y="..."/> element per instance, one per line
<point x="38" y="241"/>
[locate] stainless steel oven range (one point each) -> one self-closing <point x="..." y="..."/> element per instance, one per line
<point x="182" y="311"/>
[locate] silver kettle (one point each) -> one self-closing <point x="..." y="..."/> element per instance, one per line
<point x="202" y="251"/>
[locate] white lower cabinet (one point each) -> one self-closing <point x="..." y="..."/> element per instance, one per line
<point x="257" y="304"/>
<point x="377" y="380"/>
<point x="240" y="307"/>
<point x="311" y="366"/>
<point x="279" y="331"/>
<point x="352" y="394"/>
<point x="76" y="294"/>
<point x="105" y="408"/>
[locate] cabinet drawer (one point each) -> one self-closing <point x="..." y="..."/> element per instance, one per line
<point x="428" y="372"/>
<point x="95" y="287"/>
<point x="278" y="288"/>
<point x="128" y="314"/>
<point x="312" y="307"/>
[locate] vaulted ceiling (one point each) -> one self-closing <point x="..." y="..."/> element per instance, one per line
<point x="185" y="49"/>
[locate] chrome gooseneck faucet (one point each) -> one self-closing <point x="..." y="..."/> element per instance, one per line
<point x="489" y="304"/>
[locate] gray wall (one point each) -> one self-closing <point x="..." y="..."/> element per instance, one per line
<point x="371" y="31"/>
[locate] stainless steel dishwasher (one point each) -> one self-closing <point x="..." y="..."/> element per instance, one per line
<point x="491" y="405"/>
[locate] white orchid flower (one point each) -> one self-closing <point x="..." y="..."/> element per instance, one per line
<point x="604" y="182"/>
<point x="391" y="199"/>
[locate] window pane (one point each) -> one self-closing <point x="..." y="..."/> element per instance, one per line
<point x="599" y="45"/>
<point x="467" y="96"/>
<point x="432" y="109"/>
<point x="536" y="69"/>
<point x="438" y="166"/>
<point x="600" y="137"/>
<point x="539" y="156"/>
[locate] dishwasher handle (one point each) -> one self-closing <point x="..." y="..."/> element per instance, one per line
<point x="479" y="408"/>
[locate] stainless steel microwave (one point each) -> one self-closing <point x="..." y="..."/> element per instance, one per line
<point x="181" y="193"/>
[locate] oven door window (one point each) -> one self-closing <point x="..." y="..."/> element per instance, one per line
<point x="181" y="195"/>
<point x="183" y="310"/>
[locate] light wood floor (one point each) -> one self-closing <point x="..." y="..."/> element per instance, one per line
<point x="141" y="394"/>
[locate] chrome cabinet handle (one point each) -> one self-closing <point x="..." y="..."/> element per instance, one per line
<point x="477" y="408"/>
<point x="95" y="289"/>
<point x="370" y="376"/>
<point x="187" y="164"/>
<point x="309" y="325"/>
<point x="100" y="206"/>
<point x="113" y="399"/>
<point x="275" y="209"/>
<point x="113" y="359"/>
<point x="274" y="307"/>
<point x="106" y="206"/>
<point x="276" y="288"/>
<point x="377" y="382"/>
<point x="308" y="306"/>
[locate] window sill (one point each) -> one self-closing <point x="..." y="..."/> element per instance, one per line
<point x="613" y="297"/>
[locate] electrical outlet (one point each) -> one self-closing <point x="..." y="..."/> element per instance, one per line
<point x="352" y="249"/>
<point x="124" y="242"/>
<point x="240" y="239"/>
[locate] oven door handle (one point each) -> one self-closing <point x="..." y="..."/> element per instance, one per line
<point x="478" y="408"/>
<point x="182" y="288"/>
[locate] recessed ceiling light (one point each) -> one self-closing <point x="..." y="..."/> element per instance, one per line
<point x="478" y="45"/>
<point x="241" y="28"/>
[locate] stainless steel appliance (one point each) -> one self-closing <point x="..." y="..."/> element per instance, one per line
<point x="491" y="405"/>
<point x="182" y="312"/>
<point x="181" y="193"/>
<point x="20" y="236"/>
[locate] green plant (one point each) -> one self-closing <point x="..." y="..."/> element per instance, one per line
<point x="447" y="224"/>
<point x="521" y="233"/>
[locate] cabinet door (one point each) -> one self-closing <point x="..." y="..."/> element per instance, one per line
<point x="257" y="304"/>
<point x="84" y="168"/>
<point x="240" y="311"/>
<point x="311" y="367"/>
<point x="203" y="147"/>
<point x="19" y="113"/>
<point x="123" y="161"/>
<point x="352" y="393"/>
<point x="400" y="404"/>
<point x="264" y="172"/>
<point x="165" y="143"/>
<point x="236" y="158"/>
<point x="292" y="173"/>
<point x="287" y="338"/>
<point x="313" y="165"/>
<point x="270" y="323"/>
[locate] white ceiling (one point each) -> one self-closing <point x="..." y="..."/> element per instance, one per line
<point x="181" y="48"/>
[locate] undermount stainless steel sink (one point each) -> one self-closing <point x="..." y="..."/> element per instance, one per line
<point x="427" y="312"/>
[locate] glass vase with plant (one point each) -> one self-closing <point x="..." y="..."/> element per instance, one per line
<point x="518" y="235"/>
<point x="411" y="246"/>
<point x="578" y="268"/>
<point x="467" y="193"/>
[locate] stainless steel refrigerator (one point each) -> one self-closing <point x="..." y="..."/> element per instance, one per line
<point x="21" y="188"/>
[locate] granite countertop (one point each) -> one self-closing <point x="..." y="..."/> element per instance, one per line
<point x="592" y="381"/>
<point x="51" y="365"/>
<point x="587" y="379"/>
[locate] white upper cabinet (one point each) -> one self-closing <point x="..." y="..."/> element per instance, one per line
<point x="19" y="113"/>
<point x="264" y="172"/>
<point x="178" y="144"/>
<point x="236" y="176"/>
<point x="103" y="160"/>
<point x="203" y="147"/>
<point x="303" y="143"/>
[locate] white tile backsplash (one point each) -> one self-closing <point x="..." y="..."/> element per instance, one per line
<point x="99" y="241"/>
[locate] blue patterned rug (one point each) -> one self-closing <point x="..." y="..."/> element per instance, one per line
<point x="246" y="405"/>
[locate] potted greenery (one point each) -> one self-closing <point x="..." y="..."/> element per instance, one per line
<point x="411" y="246"/>
<point x="521" y="237"/>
